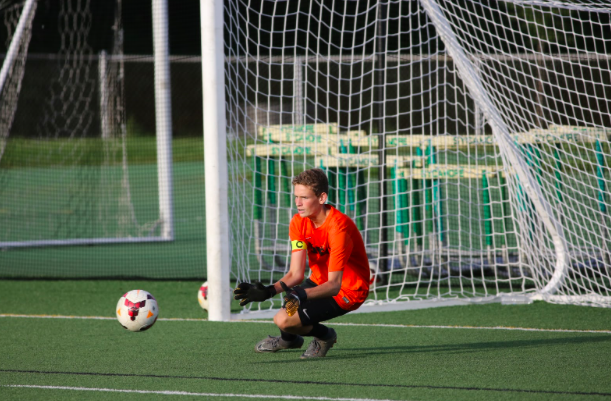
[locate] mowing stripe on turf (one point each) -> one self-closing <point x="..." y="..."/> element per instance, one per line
<point x="404" y="326"/>
<point x="308" y="382"/>
<point x="168" y="392"/>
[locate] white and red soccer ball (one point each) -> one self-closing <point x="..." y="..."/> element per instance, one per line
<point x="137" y="310"/>
<point x="202" y="295"/>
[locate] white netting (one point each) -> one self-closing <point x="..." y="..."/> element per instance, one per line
<point x="467" y="139"/>
<point x="11" y="83"/>
<point x="64" y="169"/>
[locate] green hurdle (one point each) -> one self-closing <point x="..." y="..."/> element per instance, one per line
<point x="361" y="203"/>
<point x="346" y="181"/>
<point x="417" y="212"/>
<point x="486" y="205"/>
<point x="602" y="196"/>
<point x="506" y="221"/>
<point x="600" y="175"/>
<point x="351" y="181"/>
<point x="342" y="180"/>
<point x="257" y="188"/>
<point x="332" y="175"/>
<point x="427" y="187"/>
<point x="558" y="175"/>
<point x="433" y="203"/>
<point x="401" y="203"/>
<point x="416" y="181"/>
<point x="271" y="182"/>
<point x="418" y="186"/>
<point x="286" y="183"/>
<point x="437" y="196"/>
<point x="533" y="160"/>
<point x="426" y="178"/>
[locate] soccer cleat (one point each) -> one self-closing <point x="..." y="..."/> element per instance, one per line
<point x="319" y="348"/>
<point x="273" y="344"/>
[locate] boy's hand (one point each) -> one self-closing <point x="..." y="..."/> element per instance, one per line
<point x="293" y="298"/>
<point x="255" y="292"/>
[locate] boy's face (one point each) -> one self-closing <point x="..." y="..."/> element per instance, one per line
<point x="308" y="204"/>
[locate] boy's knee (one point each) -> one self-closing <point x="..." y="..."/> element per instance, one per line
<point x="284" y="322"/>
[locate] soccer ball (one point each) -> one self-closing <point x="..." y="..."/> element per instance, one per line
<point x="137" y="310"/>
<point x="202" y="295"/>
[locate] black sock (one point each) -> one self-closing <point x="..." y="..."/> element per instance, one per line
<point x="319" y="331"/>
<point x="287" y="336"/>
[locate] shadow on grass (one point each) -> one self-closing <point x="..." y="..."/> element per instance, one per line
<point x="339" y="352"/>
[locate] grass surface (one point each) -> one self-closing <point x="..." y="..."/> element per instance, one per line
<point x="22" y="152"/>
<point x="371" y="359"/>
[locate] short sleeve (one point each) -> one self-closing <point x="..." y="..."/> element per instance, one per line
<point x="296" y="235"/>
<point x="340" y="244"/>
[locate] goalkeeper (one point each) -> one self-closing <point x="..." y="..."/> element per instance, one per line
<point x="339" y="279"/>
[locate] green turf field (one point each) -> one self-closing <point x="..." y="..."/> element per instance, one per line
<point x="455" y="353"/>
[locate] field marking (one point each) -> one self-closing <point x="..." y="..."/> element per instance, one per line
<point x="509" y="328"/>
<point x="405" y="326"/>
<point x="168" y="392"/>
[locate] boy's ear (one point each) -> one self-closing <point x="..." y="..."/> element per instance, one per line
<point x="322" y="199"/>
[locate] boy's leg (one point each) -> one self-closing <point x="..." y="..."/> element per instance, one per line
<point x="313" y="313"/>
<point x="273" y="344"/>
<point x="305" y="323"/>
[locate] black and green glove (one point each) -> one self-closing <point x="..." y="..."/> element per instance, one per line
<point x="255" y="292"/>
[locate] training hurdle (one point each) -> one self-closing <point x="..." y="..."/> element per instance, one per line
<point x="425" y="182"/>
<point x="348" y="156"/>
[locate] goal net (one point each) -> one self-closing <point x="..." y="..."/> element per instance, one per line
<point x="65" y="176"/>
<point x="468" y="140"/>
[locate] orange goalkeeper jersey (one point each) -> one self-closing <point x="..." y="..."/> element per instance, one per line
<point x="337" y="245"/>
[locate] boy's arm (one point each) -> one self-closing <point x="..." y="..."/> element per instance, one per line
<point x="296" y="272"/>
<point x="328" y="289"/>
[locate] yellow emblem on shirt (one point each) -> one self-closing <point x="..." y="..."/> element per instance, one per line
<point x="297" y="245"/>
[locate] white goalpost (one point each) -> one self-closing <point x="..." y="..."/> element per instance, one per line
<point x="21" y="29"/>
<point x="215" y="151"/>
<point x="65" y="174"/>
<point x="469" y="141"/>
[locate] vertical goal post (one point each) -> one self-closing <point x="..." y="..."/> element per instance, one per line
<point x="215" y="158"/>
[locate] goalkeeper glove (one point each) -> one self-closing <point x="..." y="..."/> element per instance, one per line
<point x="256" y="292"/>
<point x="294" y="296"/>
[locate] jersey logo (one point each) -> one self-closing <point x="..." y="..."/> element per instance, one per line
<point x="320" y="250"/>
<point x="297" y="245"/>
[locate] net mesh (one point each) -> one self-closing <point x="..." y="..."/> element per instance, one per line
<point x="79" y="162"/>
<point x="467" y="140"/>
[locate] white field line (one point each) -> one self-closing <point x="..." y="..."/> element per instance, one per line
<point x="403" y="326"/>
<point x="168" y="392"/>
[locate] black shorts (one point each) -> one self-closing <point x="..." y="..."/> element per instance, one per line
<point x="318" y="310"/>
